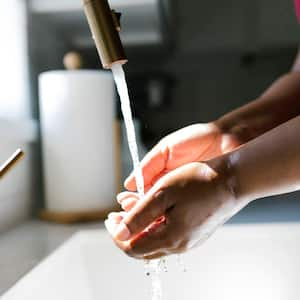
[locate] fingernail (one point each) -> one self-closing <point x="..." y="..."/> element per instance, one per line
<point x="113" y="215"/>
<point x="120" y="198"/>
<point x="122" y="232"/>
<point x="129" y="203"/>
<point x="110" y="215"/>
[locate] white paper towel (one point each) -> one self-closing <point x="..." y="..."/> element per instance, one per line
<point x="77" y="115"/>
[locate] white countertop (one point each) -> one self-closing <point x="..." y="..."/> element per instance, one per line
<point x="24" y="247"/>
<point x="241" y="261"/>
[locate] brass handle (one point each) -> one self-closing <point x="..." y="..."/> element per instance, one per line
<point x="11" y="162"/>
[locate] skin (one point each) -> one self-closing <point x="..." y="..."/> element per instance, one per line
<point x="200" y="176"/>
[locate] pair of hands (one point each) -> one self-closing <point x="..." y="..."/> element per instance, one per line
<point x="185" y="200"/>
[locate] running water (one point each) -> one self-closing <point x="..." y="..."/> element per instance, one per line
<point x="153" y="267"/>
<point x="120" y="80"/>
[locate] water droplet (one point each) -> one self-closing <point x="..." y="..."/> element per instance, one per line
<point x="181" y="263"/>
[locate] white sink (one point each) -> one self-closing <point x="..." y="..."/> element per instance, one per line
<point x="239" y="262"/>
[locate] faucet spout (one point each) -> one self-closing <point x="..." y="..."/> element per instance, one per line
<point x="105" y="26"/>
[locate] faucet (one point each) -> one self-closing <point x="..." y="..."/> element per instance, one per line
<point x="104" y="24"/>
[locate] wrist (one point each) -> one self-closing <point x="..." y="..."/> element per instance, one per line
<point x="226" y="174"/>
<point x="226" y="189"/>
<point x="238" y="129"/>
<point x="246" y="123"/>
<point x="226" y="166"/>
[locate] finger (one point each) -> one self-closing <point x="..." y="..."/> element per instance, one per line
<point x="155" y="256"/>
<point x="150" y="243"/>
<point x="145" y="212"/>
<point x="144" y="245"/>
<point x="110" y="226"/>
<point x="117" y="217"/>
<point x="129" y="203"/>
<point x="152" y="165"/>
<point x="124" y="195"/>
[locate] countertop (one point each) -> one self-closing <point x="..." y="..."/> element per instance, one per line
<point x="241" y="261"/>
<point x="25" y="246"/>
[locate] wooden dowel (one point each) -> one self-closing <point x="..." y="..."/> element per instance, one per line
<point x="11" y="162"/>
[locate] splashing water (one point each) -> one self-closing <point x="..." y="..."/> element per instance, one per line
<point x="181" y="263"/>
<point x="153" y="267"/>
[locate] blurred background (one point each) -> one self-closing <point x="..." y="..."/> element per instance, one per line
<point x="189" y="61"/>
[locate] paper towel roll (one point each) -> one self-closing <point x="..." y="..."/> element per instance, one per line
<point x="77" y="114"/>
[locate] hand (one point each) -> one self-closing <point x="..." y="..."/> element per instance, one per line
<point x="194" y="143"/>
<point x="179" y="212"/>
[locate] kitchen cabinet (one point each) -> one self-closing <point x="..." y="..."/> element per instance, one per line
<point x="277" y="24"/>
<point x="236" y="25"/>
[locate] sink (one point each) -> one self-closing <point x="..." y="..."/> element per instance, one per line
<point x="238" y="262"/>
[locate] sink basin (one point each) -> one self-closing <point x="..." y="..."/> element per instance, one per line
<point x="238" y="262"/>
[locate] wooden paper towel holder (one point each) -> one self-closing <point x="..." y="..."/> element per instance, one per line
<point x="75" y="217"/>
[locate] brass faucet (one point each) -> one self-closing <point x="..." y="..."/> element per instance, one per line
<point x="105" y="26"/>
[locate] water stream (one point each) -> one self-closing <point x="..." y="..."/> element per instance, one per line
<point x="152" y="267"/>
<point x="120" y="80"/>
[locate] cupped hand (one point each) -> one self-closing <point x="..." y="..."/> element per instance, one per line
<point x="194" y="143"/>
<point x="180" y="211"/>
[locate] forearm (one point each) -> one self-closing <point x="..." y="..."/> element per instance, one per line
<point x="268" y="165"/>
<point x="280" y="103"/>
